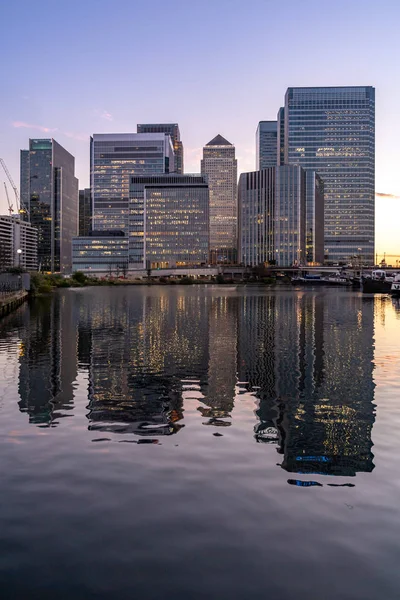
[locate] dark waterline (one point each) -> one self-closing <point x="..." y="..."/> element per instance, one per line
<point x="200" y="442"/>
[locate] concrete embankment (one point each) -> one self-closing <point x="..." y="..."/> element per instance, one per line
<point x="10" y="302"/>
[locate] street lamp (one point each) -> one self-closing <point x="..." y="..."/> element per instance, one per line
<point x="19" y="252"/>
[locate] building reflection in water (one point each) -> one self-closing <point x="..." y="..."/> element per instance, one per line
<point x="48" y="359"/>
<point x="315" y="387"/>
<point x="221" y="377"/>
<point x="307" y="359"/>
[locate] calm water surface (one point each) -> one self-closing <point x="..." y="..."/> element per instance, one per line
<point x="200" y="442"/>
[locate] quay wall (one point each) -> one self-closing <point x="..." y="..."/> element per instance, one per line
<point x="11" y="301"/>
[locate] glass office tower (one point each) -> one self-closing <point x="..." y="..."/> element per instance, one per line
<point x="49" y="192"/>
<point x="315" y="206"/>
<point x="275" y="207"/>
<point x="85" y="212"/>
<point x="114" y="158"/>
<point x="332" y="130"/>
<point x="266" y="144"/>
<point x="281" y="136"/>
<point x="256" y="194"/>
<point x="290" y="216"/>
<point x="173" y="130"/>
<point x="176" y="228"/>
<point x="220" y="166"/>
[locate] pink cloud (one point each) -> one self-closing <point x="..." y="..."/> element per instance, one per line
<point x="382" y="195"/>
<point x="29" y="126"/>
<point x="103" y="114"/>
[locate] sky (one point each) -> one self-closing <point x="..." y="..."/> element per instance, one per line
<point x="73" y="68"/>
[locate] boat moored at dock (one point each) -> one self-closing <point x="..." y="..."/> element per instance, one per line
<point x="395" y="288"/>
<point x="378" y="283"/>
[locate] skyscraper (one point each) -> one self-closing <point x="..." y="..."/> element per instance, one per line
<point x="85" y="212"/>
<point x="315" y="207"/>
<point x="255" y="217"/>
<point x="49" y="192"/>
<point x="114" y="158"/>
<point x="275" y="207"/>
<point x="281" y="136"/>
<point x="220" y="166"/>
<point x="173" y="130"/>
<point x="176" y="231"/>
<point x="266" y="145"/>
<point x="290" y="216"/>
<point x="332" y="130"/>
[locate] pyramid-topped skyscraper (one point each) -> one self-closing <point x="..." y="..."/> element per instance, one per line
<point x="220" y="166"/>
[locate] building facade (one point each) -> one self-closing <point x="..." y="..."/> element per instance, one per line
<point x="273" y="216"/>
<point x="332" y="131"/>
<point x="290" y="216"/>
<point x="255" y="217"/>
<point x="266" y="145"/>
<point x="19" y="244"/>
<point x="281" y="137"/>
<point x="85" y="211"/>
<point x="220" y="166"/>
<point x="114" y="159"/>
<point x="171" y="129"/>
<point x="49" y="196"/>
<point x="176" y="223"/>
<point x="315" y="206"/>
<point x="101" y="252"/>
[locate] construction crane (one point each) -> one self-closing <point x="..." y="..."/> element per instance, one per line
<point x="14" y="187"/>
<point x="10" y="206"/>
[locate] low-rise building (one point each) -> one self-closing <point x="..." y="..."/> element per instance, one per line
<point x="101" y="253"/>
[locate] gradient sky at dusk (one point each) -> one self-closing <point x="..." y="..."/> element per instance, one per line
<point x="73" y="68"/>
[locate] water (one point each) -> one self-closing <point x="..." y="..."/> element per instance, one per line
<point x="200" y="442"/>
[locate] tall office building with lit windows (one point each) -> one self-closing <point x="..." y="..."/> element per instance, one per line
<point x="114" y="158"/>
<point x="281" y="137"/>
<point x="266" y="145"/>
<point x="173" y="130"/>
<point x="49" y="195"/>
<point x="280" y="216"/>
<point x="220" y="166"/>
<point x="332" y="131"/>
<point x="176" y="232"/>
<point x="85" y="212"/>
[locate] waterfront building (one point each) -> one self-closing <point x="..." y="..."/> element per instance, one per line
<point x="49" y="197"/>
<point x="85" y="211"/>
<point x="171" y="129"/>
<point x="290" y="216"/>
<point x="114" y="158"/>
<point x="101" y="253"/>
<point x="220" y="166"/>
<point x="315" y="205"/>
<point x="255" y="217"/>
<point x="266" y="145"/>
<point x="273" y="216"/>
<point x="332" y="131"/>
<point x="176" y="225"/>
<point x="19" y="241"/>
